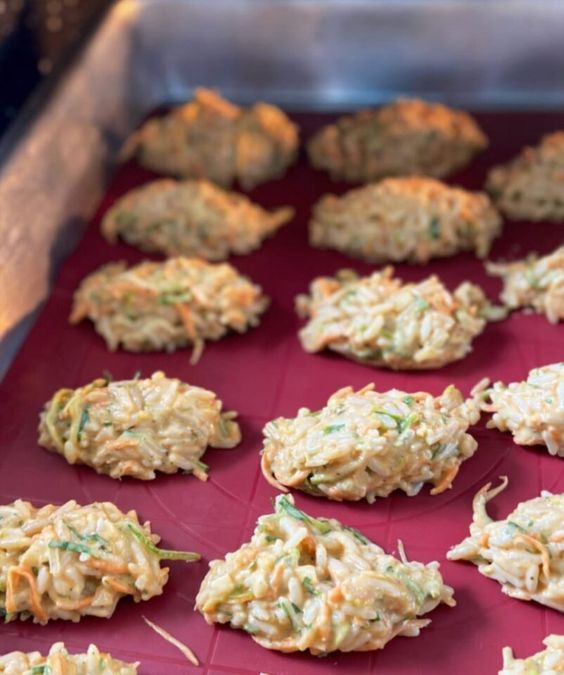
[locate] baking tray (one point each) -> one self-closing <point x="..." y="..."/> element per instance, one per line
<point x="263" y="374"/>
<point x="313" y="54"/>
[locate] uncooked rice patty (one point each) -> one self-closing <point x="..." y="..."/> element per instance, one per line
<point x="548" y="662"/>
<point x="366" y="444"/>
<point x="60" y="662"/>
<point x="212" y="138"/>
<point x="137" y="427"/>
<point x="531" y="186"/>
<point x="193" y="218"/>
<point x="533" y="410"/>
<point x="161" y="306"/>
<point x="524" y="552"/>
<point x="70" y="561"/>
<point x="412" y="219"/>
<point x="536" y="282"/>
<point x="306" y="583"/>
<point x="405" y="137"/>
<point x="383" y="322"/>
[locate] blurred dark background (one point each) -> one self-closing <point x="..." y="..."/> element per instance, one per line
<point x="37" y="39"/>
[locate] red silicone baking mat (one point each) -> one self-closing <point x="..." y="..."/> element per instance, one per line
<point x="263" y="374"/>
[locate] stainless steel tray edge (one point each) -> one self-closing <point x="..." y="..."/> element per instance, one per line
<point x="52" y="180"/>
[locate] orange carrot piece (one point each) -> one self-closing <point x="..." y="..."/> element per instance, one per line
<point x="535" y="543"/>
<point x="116" y="585"/>
<point x="187" y="319"/>
<point x="107" y="566"/>
<point x="76" y="605"/>
<point x="446" y="481"/>
<point x="336" y="594"/>
<point x="34" y="599"/>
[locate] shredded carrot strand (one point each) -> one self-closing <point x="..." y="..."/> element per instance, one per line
<point x="297" y="478"/>
<point x="535" y="543"/>
<point x="277" y="576"/>
<point x="267" y="473"/>
<point x="446" y="481"/>
<point x="308" y="545"/>
<point x="323" y="623"/>
<point x="187" y="319"/>
<point x="52" y="415"/>
<point x="34" y="599"/>
<point x="190" y="328"/>
<point x="58" y="664"/>
<point x="326" y="287"/>
<point x="118" y="586"/>
<point x="336" y="594"/>
<point x="188" y="653"/>
<point x="76" y="605"/>
<point x="107" y="566"/>
<point x="122" y="443"/>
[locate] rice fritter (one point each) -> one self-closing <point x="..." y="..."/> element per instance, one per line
<point x="548" y="662"/>
<point x="530" y="186"/>
<point x="533" y="410"/>
<point x="366" y="444"/>
<point x="137" y="427"/>
<point x="212" y="138"/>
<point x="60" y="662"/>
<point x="536" y="282"/>
<point x="306" y="583"/>
<point x="412" y="219"/>
<point x="161" y="306"/>
<point x="524" y="552"/>
<point x="70" y="561"/>
<point x="193" y="218"/>
<point x="381" y="321"/>
<point x="407" y="136"/>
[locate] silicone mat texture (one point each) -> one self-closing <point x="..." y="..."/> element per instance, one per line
<point x="264" y="374"/>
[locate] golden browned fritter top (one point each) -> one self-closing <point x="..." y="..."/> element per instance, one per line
<point x="212" y="138"/>
<point x="531" y="186"/>
<point x="411" y="218"/>
<point x="407" y="136"/>
<point x="193" y="218"/>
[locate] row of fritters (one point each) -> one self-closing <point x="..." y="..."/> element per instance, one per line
<point x="361" y="445"/>
<point x="378" y="319"/>
<point x="214" y="139"/>
<point x="59" y="661"/>
<point x="399" y="219"/>
<point x="409" y="219"/>
<point x="301" y="583"/>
